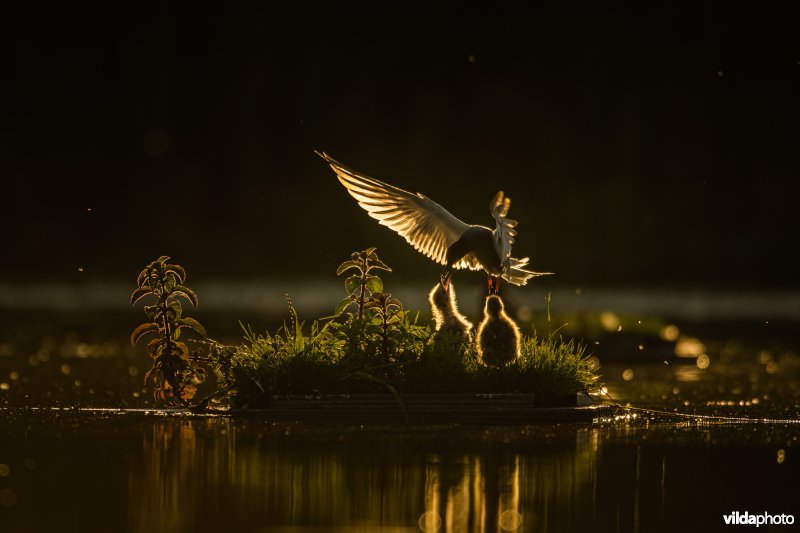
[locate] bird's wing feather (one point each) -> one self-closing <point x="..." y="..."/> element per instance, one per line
<point x="469" y="261"/>
<point x="426" y="225"/>
<point x="504" y="232"/>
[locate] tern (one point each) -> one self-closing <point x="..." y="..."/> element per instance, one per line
<point x="436" y="233"/>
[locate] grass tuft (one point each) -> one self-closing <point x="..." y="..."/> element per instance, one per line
<point x="345" y="357"/>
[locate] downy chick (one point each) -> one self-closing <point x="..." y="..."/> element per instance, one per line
<point x="498" y="336"/>
<point x="449" y="321"/>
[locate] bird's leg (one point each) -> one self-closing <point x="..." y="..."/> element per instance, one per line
<point x="497" y="281"/>
<point x="494" y="284"/>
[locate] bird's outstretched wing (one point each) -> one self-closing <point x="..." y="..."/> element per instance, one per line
<point x="504" y="234"/>
<point x="426" y="225"/>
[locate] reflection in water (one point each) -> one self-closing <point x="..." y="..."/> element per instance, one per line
<point x="197" y="474"/>
<point x="71" y="472"/>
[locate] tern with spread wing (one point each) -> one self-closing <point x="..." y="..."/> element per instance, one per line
<point x="433" y="231"/>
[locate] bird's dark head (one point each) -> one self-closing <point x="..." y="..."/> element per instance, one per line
<point x="494" y="306"/>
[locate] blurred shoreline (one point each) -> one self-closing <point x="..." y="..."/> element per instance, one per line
<point x="319" y="299"/>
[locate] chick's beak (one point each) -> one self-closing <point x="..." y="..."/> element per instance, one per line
<point x="445" y="280"/>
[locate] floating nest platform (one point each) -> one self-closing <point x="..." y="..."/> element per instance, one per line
<point x="483" y="409"/>
<point x="466" y="409"/>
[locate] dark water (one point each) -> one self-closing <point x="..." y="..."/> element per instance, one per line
<point x="75" y="472"/>
<point x="647" y="470"/>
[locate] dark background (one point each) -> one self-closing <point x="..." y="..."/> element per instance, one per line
<point x="649" y="147"/>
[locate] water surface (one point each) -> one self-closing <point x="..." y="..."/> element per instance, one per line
<point x="656" y="467"/>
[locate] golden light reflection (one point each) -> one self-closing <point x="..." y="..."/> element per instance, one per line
<point x="510" y="517"/>
<point x="193" y="469"/>
<point x="510" y="520"/>
<point x="687" y="374"/>
<point x="609" y="321"/>
<point x="669" y="333"/>
<point x="703" y="361"/>
<point x="429" y="522"/>
<point x="84" y="350"/>
<point x="689" y="347"/>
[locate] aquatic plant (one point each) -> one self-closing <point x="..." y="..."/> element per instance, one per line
<point x="388" y="312"/>
<point x="364" y="282"/>
<point x="175" y="373"/>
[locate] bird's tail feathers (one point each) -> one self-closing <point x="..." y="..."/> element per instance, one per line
<point x="516" y="275"/>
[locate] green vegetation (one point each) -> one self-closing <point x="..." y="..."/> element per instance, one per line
<point x="371" y="344"/>
<point x="176" y="372"/>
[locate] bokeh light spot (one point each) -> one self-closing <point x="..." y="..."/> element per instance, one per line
<point x="510" y="520"/>
<point x="669" y="333"/>
<point x="609" y="321"/>
<point x="689" y="347"/>
<point x="430" y="521"/>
